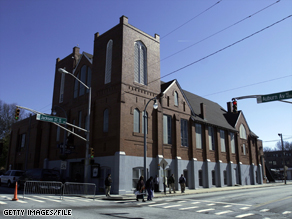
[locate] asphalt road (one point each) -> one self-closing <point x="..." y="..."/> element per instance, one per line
<point x="265" y="202"/>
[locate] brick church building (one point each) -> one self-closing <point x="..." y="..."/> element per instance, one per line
<point x="210" y="145"/>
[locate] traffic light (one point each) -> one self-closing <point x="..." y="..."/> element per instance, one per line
<point x="91" y="152"/>
<point x="234" y="105"/>
<point x="17" y="113"/>
<point x="70" y="140"/>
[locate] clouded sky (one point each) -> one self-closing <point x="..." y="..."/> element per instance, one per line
<point x="224" y="48"/>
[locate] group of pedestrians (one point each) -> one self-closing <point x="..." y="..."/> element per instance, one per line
<point x="151" y="185"/>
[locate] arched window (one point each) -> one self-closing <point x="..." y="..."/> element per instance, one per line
<point x="83" y="75"/>
<point x="105" y="120"/>
<point x="108" y="63"/>
<point x="242" y="131"/>
<point x="140" y="65"/>
<point x="83" y="79"/>
<point x="175" y="98"/>
<point x="136" y="120"/>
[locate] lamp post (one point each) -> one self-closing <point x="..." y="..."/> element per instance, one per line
<point x="86" y="163"/>
<point x="64" y="139"/>
<point x="283" y="153"/>
<point x="155" y="106"/>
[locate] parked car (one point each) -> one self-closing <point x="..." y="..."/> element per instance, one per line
<point x="38" y="175"/>
<point x="10" y="177"/>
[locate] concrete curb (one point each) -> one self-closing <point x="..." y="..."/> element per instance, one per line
<point x="190" y="192"/>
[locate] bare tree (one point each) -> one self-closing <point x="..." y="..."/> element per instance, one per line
<point x="287" y="145"/>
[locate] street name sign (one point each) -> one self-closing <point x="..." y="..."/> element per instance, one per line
<point x="274" y="97"/>
<point x="48" y="118"/>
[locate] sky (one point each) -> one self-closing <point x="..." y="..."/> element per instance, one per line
<point x="217" y="49"/>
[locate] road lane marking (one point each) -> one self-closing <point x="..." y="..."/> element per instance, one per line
<point x="226" y="203"/>
<point x="171" y="206"/>
<point x="264" y="210"/>
<point x="223" y="212"/>
<point x="24" y="202"/>
<point x="188" y="208"/>
<point x="286" y="212"/>
<point x="269" y="202"/>
<point x="181" y="201"/>
<point x="244" y="215"/>
<point x="194" y="203"/>
<point x="211" y="204"/>
<point x="2" y="203"/>
<point x="244" y="208"/>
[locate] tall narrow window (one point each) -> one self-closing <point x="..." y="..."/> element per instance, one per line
<point x="166" y="129"/>
<point x="184" y="132"/>
<point x="232" y="143"/>
<point x="83" y="79"/>
<point x="58" y="134"/>
<point x="242" y="132"/>
<point x="105" y="120"/>
<point x="175" y="98"/>
<point x="22" y="144"/>
<point x="211" y="138"/>
<point x="88" y="78"/>
<point x="62" y="88"/>
<point x="146" y="122"/>
<point x="222" y="141"/>
<point x="243" y="149"/>
<point x="76" y="83"/>
<point x="140" y="65"/>
<point x="198" y="136"/>
<point x="136" y="120"/>
<point x="108" y="62"/>
<point x="79" y="119"/>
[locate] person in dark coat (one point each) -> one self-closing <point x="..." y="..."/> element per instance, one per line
<point x="108" y="183"/>
<point x="140" y="188"/>
<point x="170" y="183"/>
<point x="149" y="187"/>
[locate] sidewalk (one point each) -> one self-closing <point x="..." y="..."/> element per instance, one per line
<point x="192" y="191"/>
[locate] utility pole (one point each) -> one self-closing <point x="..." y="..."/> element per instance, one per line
<point x="283" y="156"/>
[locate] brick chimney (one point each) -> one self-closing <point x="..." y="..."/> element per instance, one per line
<point x="229" y="107"/>
<point x="203" y="110"/>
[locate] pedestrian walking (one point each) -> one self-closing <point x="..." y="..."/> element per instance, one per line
<point x="170" y="183"/>
<point x="149" y="186"/>
<point x="182" y="182"/>
<point x="164" y="184"/>
<point x="156" y="184"/>
<point x="140" y="188"/>
<point x="108" y="184"/>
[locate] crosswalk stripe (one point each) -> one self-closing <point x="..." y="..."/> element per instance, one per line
<point x="24" y="202"/>
<point x="211" y="204"/>
<point x="286" y="212"/>
<point x="244" y="208"/>
<point x="181" y="201"/>
<point x="188" y="208"/>
<point x="34" y="199"/>
<point x="47" y="199"/>
<point x="2" y="203"/>
<point x="171" y="206"/>
<point x="244" y="215"/>
<point x="157" y="204"/>
<point x="203" y="210"/>
<point x="227" y="206"/>
<point x="223" y="212"/>
<point x="264" y="210"/>
<point x="195" y="203"/>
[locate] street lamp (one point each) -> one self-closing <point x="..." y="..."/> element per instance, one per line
<point x="283" y="153"/>
<point x="155" y="106"/>
<point x="86" y="163"/>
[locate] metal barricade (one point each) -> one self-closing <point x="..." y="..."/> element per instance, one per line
<point x="79" y="189"/>
<point x="42" y="187"/>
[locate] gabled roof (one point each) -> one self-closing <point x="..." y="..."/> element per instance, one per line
<point x="87" y="56"/>
<point x="215" y="114"/>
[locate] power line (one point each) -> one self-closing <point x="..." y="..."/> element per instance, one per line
<point x="219" y="31"/>
<point x="191" y="19"/>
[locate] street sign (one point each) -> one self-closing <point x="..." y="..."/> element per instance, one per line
<point x="48" y="118"/>
<point x="163" y="163"/>
<point x="274" y="97"/>
<point x="63" y="165"/>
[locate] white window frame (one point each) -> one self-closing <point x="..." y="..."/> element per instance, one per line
<point x="175" y="98"/>
<point x="222" y="141"/>
<point x="199" y="136"/>
<point x="242" y="132"/>
<point x="140" y="65"/>
<point x="211" y="138"/>
<point x="167" y="137"/>
<point x="232" y="142"/>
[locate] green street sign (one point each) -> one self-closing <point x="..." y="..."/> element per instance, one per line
<point x="47" y="118"/>
<point x="274" y="97"/>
